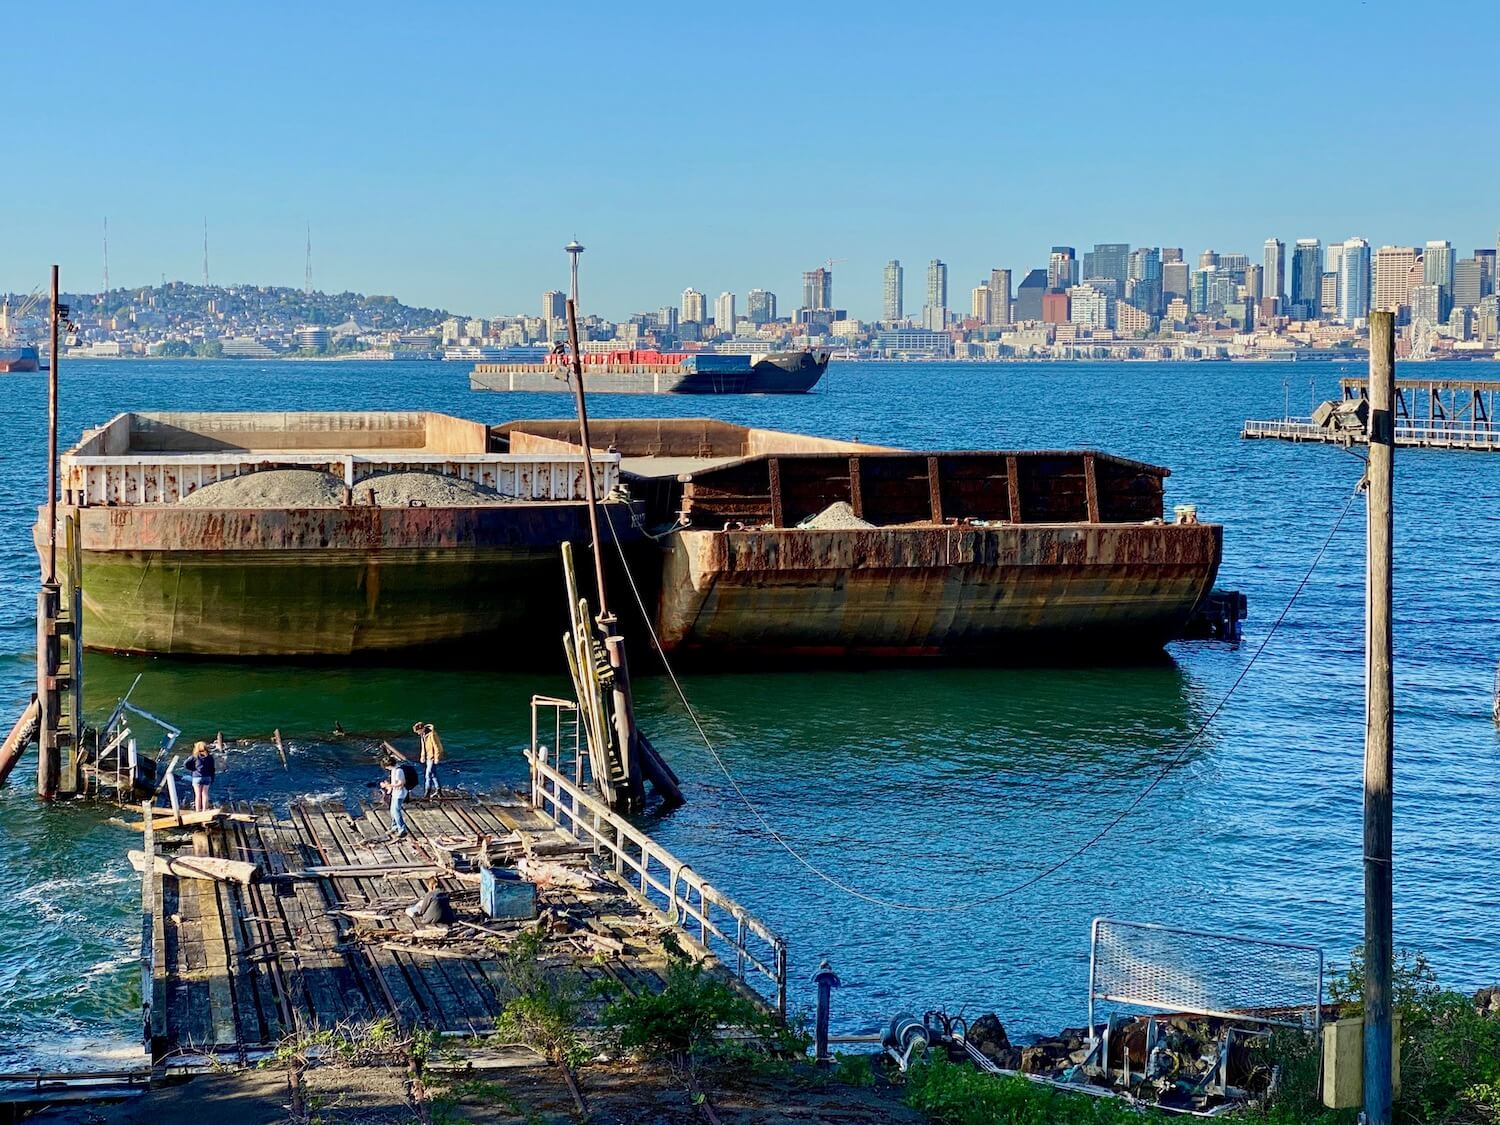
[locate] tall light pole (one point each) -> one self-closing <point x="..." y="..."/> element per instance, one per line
<point x="574" y="249"/>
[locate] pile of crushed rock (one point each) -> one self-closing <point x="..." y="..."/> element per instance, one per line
<point x="836" y="517"/>
<point x="316" y="488"/>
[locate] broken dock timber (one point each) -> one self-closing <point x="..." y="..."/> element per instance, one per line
<point x="1431" y="413"/>
<point x="324" y="939"/>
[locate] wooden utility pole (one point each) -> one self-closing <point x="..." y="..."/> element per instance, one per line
<point x="632" y="789"/>
<point x="1379" y="725"/>
<point x="49" y="597"/>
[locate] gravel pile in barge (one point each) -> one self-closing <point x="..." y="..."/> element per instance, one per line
<point x="314" y="488"/>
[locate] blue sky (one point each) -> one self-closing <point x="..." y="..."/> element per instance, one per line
<point x="446" y="152"/>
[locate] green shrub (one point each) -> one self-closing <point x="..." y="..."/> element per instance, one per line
<point x="1450" y="1053"/>
<point x="681" y="1024"/>
<point x="957" y="1094"/>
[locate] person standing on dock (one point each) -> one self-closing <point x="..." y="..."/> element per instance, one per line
<point x="201" y="769"/>
<point x="396" y="785"/>
<point x="431" y="755"/>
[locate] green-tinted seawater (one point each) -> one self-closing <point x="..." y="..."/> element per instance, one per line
<point x="922" y="785"/>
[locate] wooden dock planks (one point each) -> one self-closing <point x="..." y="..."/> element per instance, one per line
<point x="239" y="967"/>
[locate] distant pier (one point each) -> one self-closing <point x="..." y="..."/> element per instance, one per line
<point x="1430" y="414"/>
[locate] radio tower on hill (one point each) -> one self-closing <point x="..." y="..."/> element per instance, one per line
<point x="205" y="251"/>
<point x="106" y="257"/>
<point x="307" y="272"/>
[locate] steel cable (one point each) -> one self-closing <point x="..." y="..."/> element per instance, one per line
<point x="1052" y="869"/>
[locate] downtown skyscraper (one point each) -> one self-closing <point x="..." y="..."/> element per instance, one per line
<point x="1307" y="278"/>
<point x="893" y="307"/>
<point x="1273" y="272"/>
<point x="935" y="311"/>
<point x="817" y="289"/>
<point x="1354" y="281"/>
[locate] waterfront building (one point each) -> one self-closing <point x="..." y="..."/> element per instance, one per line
<point x="245" y="347"/>
<point x="724" y="313"/>
<point x="694" y="307"/>
<point x="1437" y="264"/>
<point x="1055" y="307"/>
<point x="1177" y="310"/>
<point x="894" y="306"/>
<point x="817" y="289"/>
<point x="1062" y="268"/>
<point x="1354" y="281"/>
<point x="1468" y="283"/>
<point x="1108" y="259"/>
<point x="1029" y="295"/>
<point x="313" y="338"/>
<point x="912" y="343"/>
<point x="554" y="306"/>
<point x="761" y="306"/>
<point x="1090" y="306"/>
<point x="981" y="303"/>
<point x="1273" y="272"/>
<point x="1307" y="278"/>
<point x="1392" y="285"/>
<point x="1000" y="296"/>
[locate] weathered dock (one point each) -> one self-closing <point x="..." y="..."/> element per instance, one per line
<point x="1430" y="414"/>
<point x="323" y="938"/>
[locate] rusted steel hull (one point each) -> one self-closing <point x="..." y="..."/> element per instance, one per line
<point x="321" y="582"/>
<point x="1078" y="591"/>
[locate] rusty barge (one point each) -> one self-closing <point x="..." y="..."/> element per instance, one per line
<point x="742" y="541"/>
<point x="346" y="559"/>
<point x="779" y="543"/>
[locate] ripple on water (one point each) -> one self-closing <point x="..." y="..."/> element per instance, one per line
<point x="918" y="785"/>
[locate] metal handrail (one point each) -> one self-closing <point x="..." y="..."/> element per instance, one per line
<point x="165" y="478"/>
<point x="588" y="820"/>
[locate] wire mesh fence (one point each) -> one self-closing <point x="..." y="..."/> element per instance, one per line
<point x="1178" y="970"/>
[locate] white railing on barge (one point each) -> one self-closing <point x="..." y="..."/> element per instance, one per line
<point x="706" y="916"/>
<point x="163" y="478"/>
<point x="1435" y="435"/>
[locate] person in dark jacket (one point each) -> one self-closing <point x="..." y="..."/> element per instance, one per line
<point x="201" y="768"/>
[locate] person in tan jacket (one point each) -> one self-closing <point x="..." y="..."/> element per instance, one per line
<point x="431" y="755"/>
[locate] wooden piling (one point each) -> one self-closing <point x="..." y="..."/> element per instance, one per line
<point x="1379" y="726"/>
<point x="48" y="693"/>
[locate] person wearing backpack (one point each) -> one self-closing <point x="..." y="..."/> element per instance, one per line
<point x="396" y="785"/>
<point x="431" y="755"/>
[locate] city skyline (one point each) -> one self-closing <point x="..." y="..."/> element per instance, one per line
<point x="424" y="169"/>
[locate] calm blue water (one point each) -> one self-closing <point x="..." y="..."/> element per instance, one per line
<point x="925" y="785"/>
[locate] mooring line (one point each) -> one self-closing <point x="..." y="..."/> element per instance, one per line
<point x="1045" y="873"/>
